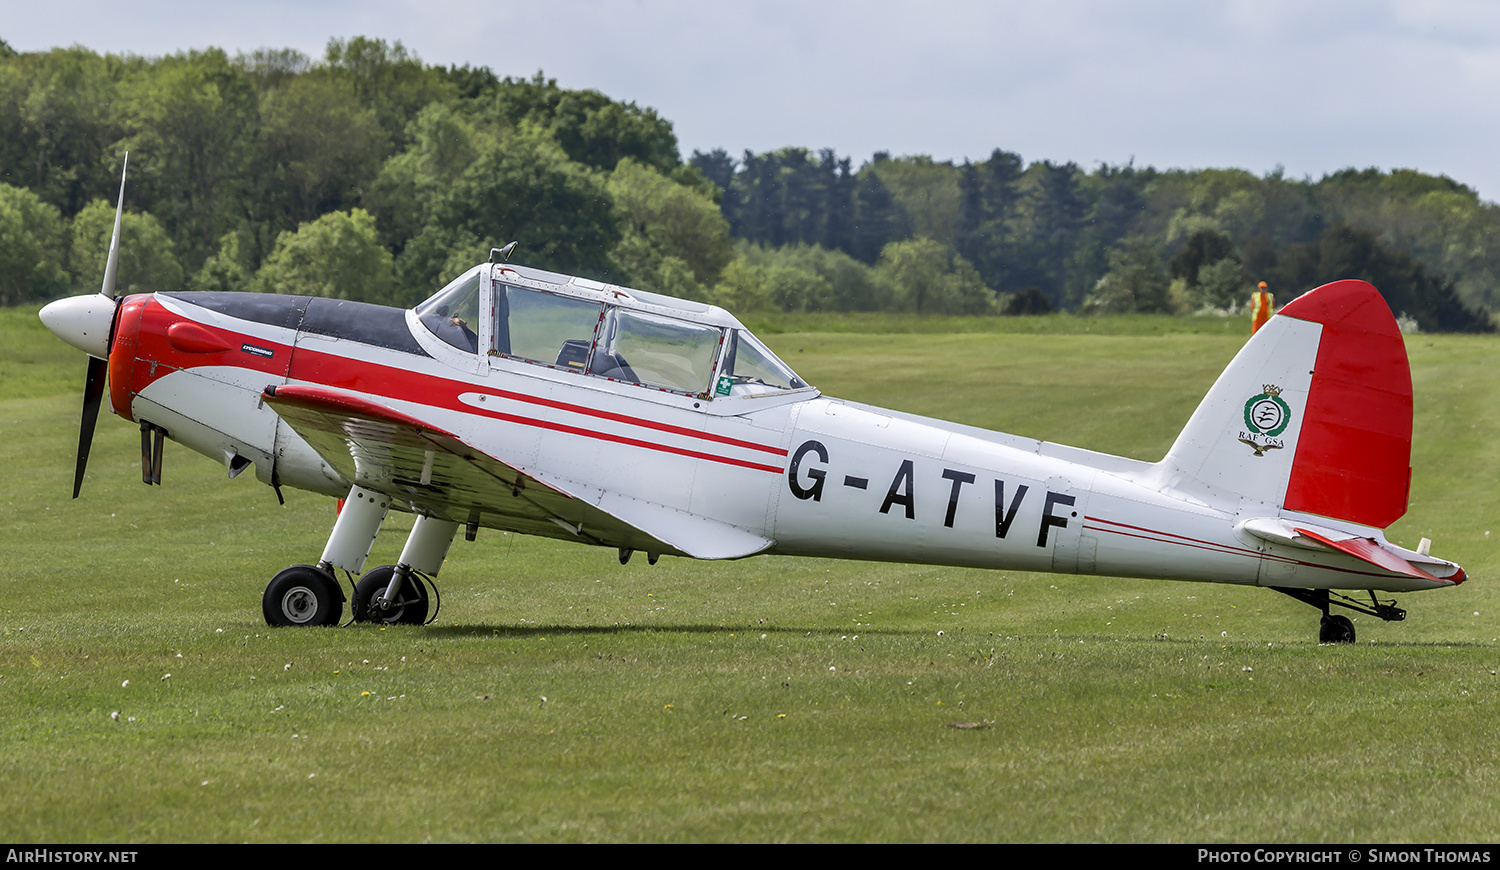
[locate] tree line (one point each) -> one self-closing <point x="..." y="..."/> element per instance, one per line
<point x="368" y="174"/>
<point x="1045" y="236"/>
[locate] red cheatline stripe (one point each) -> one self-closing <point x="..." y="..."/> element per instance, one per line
<point x="1225" y="547"/>
<point x="1185" y="542"/>
<point x="633" y="442"/>
<point x="417" y="388"/>
<point x="633" y="421"/>
<point x="1158" y="537"/>
<point x="1220" y="548"/>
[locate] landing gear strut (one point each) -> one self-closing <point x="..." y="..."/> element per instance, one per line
<point x="1337" y="628"/>
<point x="393" y="594"/>
<point x="397" y="594"/>
<point x="308" y="594"/>
<point x="372" y="603"/>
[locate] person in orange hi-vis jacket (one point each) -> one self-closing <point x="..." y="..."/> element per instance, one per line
<point x="1262" y="306"/>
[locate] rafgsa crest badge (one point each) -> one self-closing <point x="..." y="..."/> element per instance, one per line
<point x="1266" y="416"/>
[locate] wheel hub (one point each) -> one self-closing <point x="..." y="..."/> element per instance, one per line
<point x="383" y="606"/>
<point x="299" y="604"/>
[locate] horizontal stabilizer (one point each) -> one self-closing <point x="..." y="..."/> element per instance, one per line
<point x="440" y="475"/>
<point x="1370" y="550"/>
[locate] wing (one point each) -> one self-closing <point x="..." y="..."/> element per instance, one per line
<point x="440" y="475"/>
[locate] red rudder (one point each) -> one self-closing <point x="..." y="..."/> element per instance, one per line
<point x="1353" y="460"/>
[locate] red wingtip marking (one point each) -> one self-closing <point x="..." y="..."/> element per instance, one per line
<point x="336" y="402"/>
<point x="1354" y="452"/>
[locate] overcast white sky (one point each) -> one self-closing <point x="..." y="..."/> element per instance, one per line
<point x="1310" y="86"/>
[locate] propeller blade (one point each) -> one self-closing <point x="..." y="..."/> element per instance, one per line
<point x="98" y="369"/>
<point x="93" y="394"/>
<point x="112" y="265"/>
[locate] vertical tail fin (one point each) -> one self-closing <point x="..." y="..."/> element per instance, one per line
<point x="1314" y="413"/>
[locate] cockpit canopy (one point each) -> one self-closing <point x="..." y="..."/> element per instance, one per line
<point x="629" y="336"/>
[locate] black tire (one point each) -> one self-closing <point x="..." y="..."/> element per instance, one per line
<point x="302" y="596"/>
<point x="1336" y="629"/>
<point x="411" y="608"/>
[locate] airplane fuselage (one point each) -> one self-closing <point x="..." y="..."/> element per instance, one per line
<point x="555" y="405"/>
<point x="807" y="474"/>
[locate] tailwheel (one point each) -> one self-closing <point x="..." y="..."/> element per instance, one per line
<point x="303" y="595"/>
<point x="1336" y="628"/>
<point x="409" y="607"/>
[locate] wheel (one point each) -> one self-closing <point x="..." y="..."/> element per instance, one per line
<point x="303" y="595"/>
<point x="1336" y="629"/>
<point x="410" y="607"/>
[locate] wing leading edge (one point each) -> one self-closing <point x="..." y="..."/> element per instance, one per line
<point x="440" y="475"/>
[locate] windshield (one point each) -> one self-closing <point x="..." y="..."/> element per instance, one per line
<point x="751" y="369"/>
<point x="453" y="313"/>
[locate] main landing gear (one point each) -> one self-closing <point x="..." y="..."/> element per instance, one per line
<point x="393" y="594"/>
<point x="303" y="595"/>
<point x="1337" y="628"/>
<point x="373" y="602"/>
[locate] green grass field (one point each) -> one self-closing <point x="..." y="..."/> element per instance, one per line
<point x="563" y="697"/>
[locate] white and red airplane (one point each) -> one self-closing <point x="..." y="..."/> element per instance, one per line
<point x="535" y="402"/>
